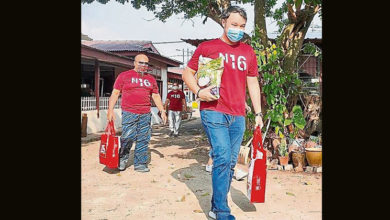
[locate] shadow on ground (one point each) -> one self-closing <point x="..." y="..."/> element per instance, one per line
<point x="131" y="160"/>
<point x="199" y="182"/>
<point x="241" y="200"/>
<point x="110" y="171"/>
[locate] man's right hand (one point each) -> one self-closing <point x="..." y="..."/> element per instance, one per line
<point x="110" y="115"/>
<point x="164" y="117"/>
<point x="205" y="94"/>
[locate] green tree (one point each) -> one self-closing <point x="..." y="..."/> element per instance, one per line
<point x="293" y="17"/>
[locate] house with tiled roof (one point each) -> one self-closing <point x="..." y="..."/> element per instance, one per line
<point x="102" y="61"/>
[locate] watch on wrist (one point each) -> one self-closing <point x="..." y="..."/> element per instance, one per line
<point x="259" y="114"/>
<point x="197" y="93"/>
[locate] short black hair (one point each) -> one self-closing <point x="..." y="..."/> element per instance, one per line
<point x="233" y="9"/>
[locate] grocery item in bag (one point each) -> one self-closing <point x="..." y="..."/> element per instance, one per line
<point x="210" y="73"/>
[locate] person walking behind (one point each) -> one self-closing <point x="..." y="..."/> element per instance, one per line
<point x="175" y="104"/>
<point x="223" y="119"/>
<point x="137" y="88"/>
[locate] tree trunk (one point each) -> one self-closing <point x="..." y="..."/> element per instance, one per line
<point x="260" y="20"/>
<point x="292" y="39"/>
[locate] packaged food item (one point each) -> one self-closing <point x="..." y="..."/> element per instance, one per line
<point x="210" y="73"/>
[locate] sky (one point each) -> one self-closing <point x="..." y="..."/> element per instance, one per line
<point x="115" y="21"/>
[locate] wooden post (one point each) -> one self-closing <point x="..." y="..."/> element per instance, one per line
<point x="84" y="123"/>
<point x="97" y="82"/>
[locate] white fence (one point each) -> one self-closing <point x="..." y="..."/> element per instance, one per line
<point x="89" y="103"/>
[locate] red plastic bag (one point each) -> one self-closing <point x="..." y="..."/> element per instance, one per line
<point x="109" y="147"/>
<point x="257" y="169"/>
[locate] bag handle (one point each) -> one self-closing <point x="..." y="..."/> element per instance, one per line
<point x="257" y="140"/>
<point x="110" y="128"/>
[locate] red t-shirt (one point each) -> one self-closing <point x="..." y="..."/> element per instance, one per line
<point x="175" y="100"/>
<point x="136" y="91"/>
<point x="240" y="62"/>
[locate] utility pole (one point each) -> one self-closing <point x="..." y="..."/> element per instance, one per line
<point x="183" y="56"/>
<point x="188" y="54"/>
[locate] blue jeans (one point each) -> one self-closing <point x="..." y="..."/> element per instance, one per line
<point x="225" y="133"/>
<point x="135" y="128"/>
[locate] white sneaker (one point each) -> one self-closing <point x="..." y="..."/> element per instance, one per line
<point x="209" y="168"/>
<point x="239" y="174"/>
<point x="212" y="215"/>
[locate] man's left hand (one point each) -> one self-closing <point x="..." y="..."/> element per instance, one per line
<point x="259" y="121"/>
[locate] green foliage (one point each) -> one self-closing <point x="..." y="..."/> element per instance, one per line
<point x="249" y="121"/>
<point x="247" y="135"/>
<point x="279" y="16"/>
<point x="269" y="4"/>
<point x="298" y="3"/>
<point x="278" y="87"/>
<point x="283" y="148"/>
<point x="310" y="48"/>
<point x="298" y="119"/>
<point x="103" y="1"/>
<point x="163" y="9"/>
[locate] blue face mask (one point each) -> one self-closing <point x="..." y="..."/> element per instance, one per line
<point x="235" y="34"/>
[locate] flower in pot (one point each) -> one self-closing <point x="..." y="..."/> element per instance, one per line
<point x="283" y="158"/>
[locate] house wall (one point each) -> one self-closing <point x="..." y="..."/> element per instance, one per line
<point x="96" y="125"/>
<point x="164" y="77"/>
<point x="310" y="65"/>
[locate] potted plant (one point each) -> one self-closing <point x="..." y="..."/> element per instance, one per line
<point x="283" y="158"/>
<point x="314" y="153"/>
<point x="314" y="156"/>
<point x="280" y="88"/>
<point x="296" y="123"/>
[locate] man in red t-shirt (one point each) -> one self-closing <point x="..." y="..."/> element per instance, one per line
<point x="223" y="119"/>
<point x="136" y="87"/>
<point x="175" y="103"/>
